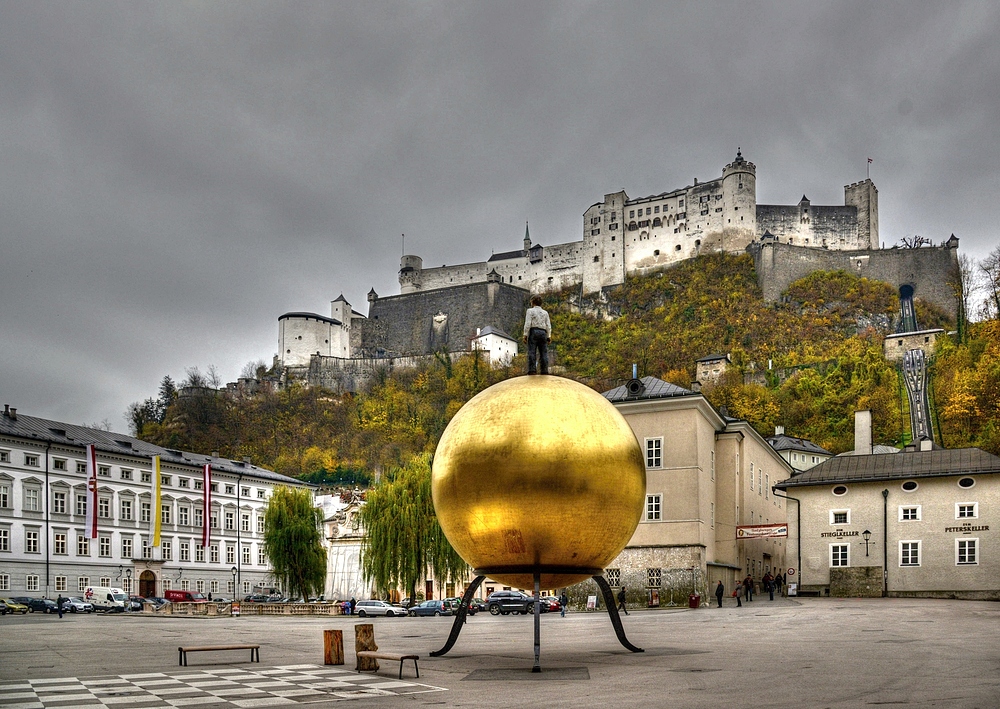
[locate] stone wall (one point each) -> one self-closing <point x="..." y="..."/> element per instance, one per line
<point x="633" y="564"/>
<point x="445" y="319"/>
<point x="928" y="270"/>
<point x="856" y="582"/>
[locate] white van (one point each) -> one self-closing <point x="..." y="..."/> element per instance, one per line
<point x="106" y="598"/>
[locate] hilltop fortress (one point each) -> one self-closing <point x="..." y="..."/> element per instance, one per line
<point x="475" y="305"/>
<point x="624" y="236"/>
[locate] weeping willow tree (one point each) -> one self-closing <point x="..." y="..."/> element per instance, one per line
<point x="293" y="541"/>
<point x="403" y="540"/>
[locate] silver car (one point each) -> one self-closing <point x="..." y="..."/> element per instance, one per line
<point x="374" y="608"/>
<point x="77" y="605"/>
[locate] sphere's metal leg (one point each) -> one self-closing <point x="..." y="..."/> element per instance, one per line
<point x="538" y="624"/>
<point x="456" y="627"/>
<point x="616" y="620"/>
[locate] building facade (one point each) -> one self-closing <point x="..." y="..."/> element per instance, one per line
<point x="706" y="476"/>
<point x="45" y="549"/>
<point x="799" y="453"/>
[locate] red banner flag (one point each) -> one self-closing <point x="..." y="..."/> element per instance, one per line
<point x="206" y="529"/>
<point x="91" y="492"/>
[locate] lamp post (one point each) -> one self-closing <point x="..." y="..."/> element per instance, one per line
<point x="867" y="535"/>
<point x="128" y="578"/>
<point x="235" y="571"/>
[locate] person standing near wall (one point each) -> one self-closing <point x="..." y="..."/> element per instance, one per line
<point x="538" y="335"/>
<point x="719" y="591"/>
<point x="621" y="601"/>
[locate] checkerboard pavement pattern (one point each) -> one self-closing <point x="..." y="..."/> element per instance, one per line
<point x="209" y="688"/>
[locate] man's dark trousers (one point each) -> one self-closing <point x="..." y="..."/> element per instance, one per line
<point x="538" y="342"/>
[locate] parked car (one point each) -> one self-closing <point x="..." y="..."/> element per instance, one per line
<point x="221" y="599"/>
<point x="456" y="602"/>
<point x="4" y="609"/>
<point x="157" y="601"/>
<point x="42" y="605"/>
<point x="134" y="603"/>
<point x="554" y="604"/>
<point x="504" y="602"/>
<point x="77" y="605"/>
<point x="372" y="607"/>
<point x="480" y="604"/>
<point x="430" y="608"/>
<point x="13" y="606"/>
<point x="260" y="598"/>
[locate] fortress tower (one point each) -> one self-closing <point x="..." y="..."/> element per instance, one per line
<point x="739" y="204"/>
<point x="410" y="274"/>
<point x="864" y="196"/>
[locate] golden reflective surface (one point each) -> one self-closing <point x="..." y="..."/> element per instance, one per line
<point x="539" y="471"/>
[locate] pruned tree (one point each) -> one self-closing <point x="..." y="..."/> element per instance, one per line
<point x="402" y="537"/>
<point x="293" y="541"/>
<point x="964" y="283"/>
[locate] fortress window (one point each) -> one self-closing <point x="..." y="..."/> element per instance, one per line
<point x="656" y="209"/>
<point x="677" y="230"/>
<point x="612" y="216"/>
<point x="656" y="252"/>
<point x="596" y="259"/>
<point x="595" y="232"/>
<point x="649" y="210"/>
<point x="613" y="227"/>
<point x="697" y="242"/>
<point x="613" y="238"/>
<point x="677" y="248"/>
<point x="680" y="203"/>
<point x="631" y="214"/>
<point x="718" y="209"/>
<point x="704" y="212"/>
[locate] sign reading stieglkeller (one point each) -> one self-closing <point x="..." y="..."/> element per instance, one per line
<point x="759" y="531"/>
<point x="840" y="533"/>
<point x="967" y="527"/>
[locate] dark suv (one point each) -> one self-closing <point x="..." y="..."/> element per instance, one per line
<point x="504" y="602"/>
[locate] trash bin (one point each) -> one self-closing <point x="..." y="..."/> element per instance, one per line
<point x="694" y="600"/>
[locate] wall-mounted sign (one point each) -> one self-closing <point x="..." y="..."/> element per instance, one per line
<point x="760" y="531"/>
<point x="968" y="528"/>
<point x="840" y="533"/>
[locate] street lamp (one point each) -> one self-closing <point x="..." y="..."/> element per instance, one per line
<point x="234" y="570"/>
<point x="867" y="535"/>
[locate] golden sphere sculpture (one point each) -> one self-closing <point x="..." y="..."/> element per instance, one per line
<point x="538" y="474"/>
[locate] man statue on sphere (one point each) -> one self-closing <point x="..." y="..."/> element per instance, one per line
<point x="538" y="334"/>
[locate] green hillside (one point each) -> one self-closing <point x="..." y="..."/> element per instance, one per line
<point x="806" y="363"/>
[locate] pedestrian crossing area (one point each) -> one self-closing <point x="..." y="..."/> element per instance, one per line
<point x="210" y="688"/>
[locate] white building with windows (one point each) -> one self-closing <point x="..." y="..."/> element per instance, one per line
<point x="799" y="453"/>
<point x="708" y="476"/>
<point x="44" y="546"/>
<point x="916" y="523"/>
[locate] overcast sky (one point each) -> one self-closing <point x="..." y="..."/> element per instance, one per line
<point x="174" y="176"/>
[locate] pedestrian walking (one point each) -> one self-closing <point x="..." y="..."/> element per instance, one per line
<point x="621" y="601"/>
<point x="563" y="602"/>
<point x="719" y="591"/>
<point x="59" y="602"/>
<point x="748" y="588"/>
<point x="769" y="584"/>
<point x="538" y="335"/>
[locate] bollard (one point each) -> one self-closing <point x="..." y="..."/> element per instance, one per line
<point x="333" y="647"/>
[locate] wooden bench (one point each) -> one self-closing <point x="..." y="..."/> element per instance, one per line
<point x="182" y="659"/>
<point x="379" y="655"/>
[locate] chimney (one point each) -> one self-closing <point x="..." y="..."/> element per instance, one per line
<point x="863" y="432"/>
<point x="926" y="444"/>
<point x="13" y="414"/>
<point x="696" y="386"/>
<point x="6" y="409"/>
<point x="215" y="454"/>
<point x="779" y="430"/>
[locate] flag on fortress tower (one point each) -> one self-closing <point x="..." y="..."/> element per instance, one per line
<point x="91" y="491"/>
<point x="206" y="517"/>
<point x="156" y="512"/>
<point x="870" y="161"/>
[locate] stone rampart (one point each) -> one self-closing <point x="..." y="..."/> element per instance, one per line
<point x="928" y="270"/>
<point x="439" y="320"/>
<point x="856" y="582"/>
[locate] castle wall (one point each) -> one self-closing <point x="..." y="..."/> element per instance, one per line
<point x="805" y="224"/>
<point x="928" y="270"/>
<point x="443" y="319"/>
